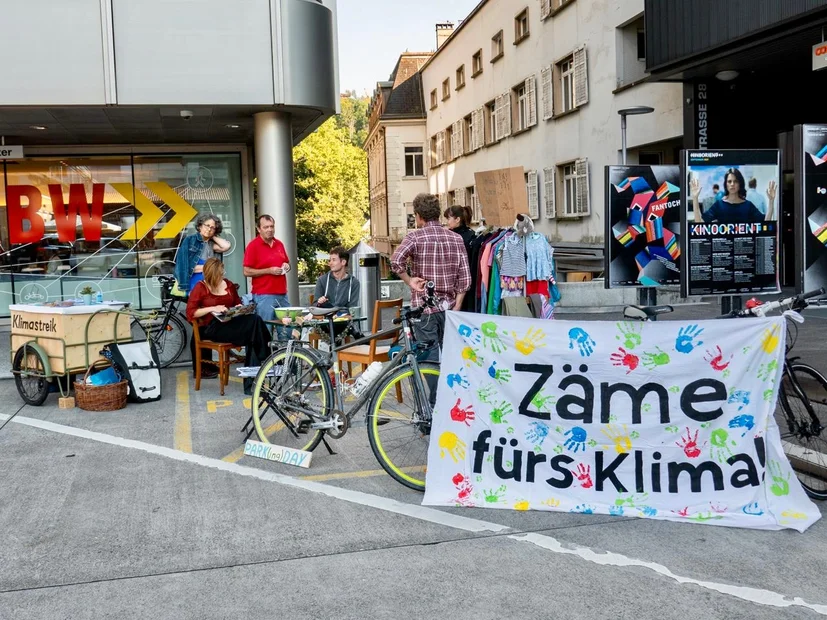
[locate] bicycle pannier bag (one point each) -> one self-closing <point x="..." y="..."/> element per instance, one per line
<point x="139" y="363"/>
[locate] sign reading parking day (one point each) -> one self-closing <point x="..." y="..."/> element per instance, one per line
<point x="668" y="420"/>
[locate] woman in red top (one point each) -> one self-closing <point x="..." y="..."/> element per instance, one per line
<point x="216" y="294"/>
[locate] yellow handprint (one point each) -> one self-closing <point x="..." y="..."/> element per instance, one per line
<point x="472" y="356"/>
<point x="521" y="505"/>
<point x="453" y="445"/>
<point x="770" y="341"/>
<point x="621" y="440"/>
<point x="793" y="515"/>
<point x="533" y="338"/>
<point x="551" y="501"/>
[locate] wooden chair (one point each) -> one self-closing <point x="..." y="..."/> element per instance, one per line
<point x="225" y="358"/>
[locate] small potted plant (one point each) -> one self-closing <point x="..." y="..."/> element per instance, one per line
<point x="86" y="293"/>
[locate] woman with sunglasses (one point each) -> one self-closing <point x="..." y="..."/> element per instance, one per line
<point x="196" y="249"/>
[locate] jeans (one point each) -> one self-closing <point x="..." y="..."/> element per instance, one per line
<point x="265" y="305"/>
<point x="431" y="328"/>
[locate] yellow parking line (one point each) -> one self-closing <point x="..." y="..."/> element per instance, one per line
<point x="234" y="456"/>
<point x="183" y="428"/>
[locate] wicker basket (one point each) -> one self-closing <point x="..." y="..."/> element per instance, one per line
<point x="100" y="397"/>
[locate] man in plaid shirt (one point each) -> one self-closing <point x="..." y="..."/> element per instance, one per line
<point x="434" y="254"/>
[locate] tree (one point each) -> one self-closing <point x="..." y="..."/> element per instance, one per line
<point x="354" y="118"/>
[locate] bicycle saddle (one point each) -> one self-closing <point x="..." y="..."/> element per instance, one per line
<point x="323" y="311"/>
<point x="644" y="313"/>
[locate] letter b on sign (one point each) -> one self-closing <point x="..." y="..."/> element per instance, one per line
<point x="17" y="214"/>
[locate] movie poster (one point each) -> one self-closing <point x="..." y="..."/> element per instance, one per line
<point x="811" y="207"/>
<point x="731" y="232"/>
<point x="642" y="225"/>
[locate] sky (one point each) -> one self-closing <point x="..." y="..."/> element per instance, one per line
<point x="373" y="33"/>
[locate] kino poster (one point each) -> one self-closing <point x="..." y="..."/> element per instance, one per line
<point x="730" y="216"/>
<point x="642" y="225"/>
<point x="811" y="207"/>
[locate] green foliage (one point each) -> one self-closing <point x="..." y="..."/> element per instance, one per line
<point x="354" y="118"/>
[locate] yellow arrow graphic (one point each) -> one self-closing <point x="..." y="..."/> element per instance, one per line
<point x="150" y="214"/>
<point x="183" y="210"/>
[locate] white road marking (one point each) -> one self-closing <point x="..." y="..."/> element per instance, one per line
<point x="608" y="558"/>
<point x="603" y="558"/>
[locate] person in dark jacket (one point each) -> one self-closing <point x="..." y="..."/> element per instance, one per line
<point x="458" y="218"/>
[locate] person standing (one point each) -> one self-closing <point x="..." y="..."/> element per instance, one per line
<point x="337" y="288"/>
<point x="432" y="253"/>
<point x="458" y="219"/>
<point x="196" y="249"/>
<point x="266" y="262"/>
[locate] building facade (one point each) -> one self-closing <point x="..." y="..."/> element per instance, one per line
<point x="396" y="146"/>
<point x="112" y="162"/>
<point x="539" y="84"/>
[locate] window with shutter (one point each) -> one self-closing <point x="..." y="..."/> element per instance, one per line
<point x="457" y="137"/>
<point x="532" y="193"/>
<point x="478" y="121"/>
<point x="545" y="9"/>
<point x="547" y="94"/>
<point x="475" y="204"/>
<point x="548" y="192"/>
<point x="506" y="114"/>
<point x="581" y="168"/>
<point x="531" y="93"/>
<point x="581" y="77"/>
<point x="459" y="196"/>
<point x="443" y="201"/>
<point x="440" y="147"/>
<point x="498" y="117"/>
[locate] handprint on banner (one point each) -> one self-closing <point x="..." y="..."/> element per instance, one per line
<point x="471" y="335"/>
<point x="472" y="356"/>
<point x="457" y="379"/>
<point x="719" y="445"/>
<point x="585" y="509"/>
<point x="450" y="444"/>
<point x="768" y="394"/>
<point x="629" y="334"/>
<point x="501" y="375"/>
<point x="491" y="337"/>
<point x="576" y="439"/>
<point x="717" y="508"/>
<point x="689" y="444"/>
<point x="486" y="393"/>
<point x="622" y="358"/>
<point x="654" y="360"/>
<point x="739" y="396"/>
<point x="716" y="359"/>
<point x="584" y="475"/>
<point x="585" y="343"/>
<point x="542" y="402"/>
<point x="620" y="438"/>
<point x="460" y="414"/>
<point x="500" y="411"/>
<point x="464" y="490"/>
<point x="532" y="340"/>
<point x="768" y="370"/>
<point x="522" y="505"/>
<point x="495" y="496"/>
<point x="780" y="482"/>
<point x="747" y="422"/>
<point x="648" y="511"/>
<point x="752" y="509"/>
<point x="769" y="343"/>
<point x="686" y="340"/>
<point x="552" y="502"/>
<point x="537" y="432"/>
<point x="616" y="511"/>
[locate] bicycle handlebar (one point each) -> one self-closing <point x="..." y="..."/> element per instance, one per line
<point x="797" y="302"/>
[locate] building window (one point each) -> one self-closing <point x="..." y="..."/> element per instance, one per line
<point x="557" y="5"/>
<point x="545" y="9"/>
<point x="571" y="82"/>
<point x="521" y="27"/>
<point x="533" y="194"/>
<point x="497" y="48"/>
<point x="630" y="52"/>
<point x="471" y="201"/>
<point x="650" y="158"/>
<point x="446" y="89"/>
<point x="641" y="45"/>
<point x="476" y="63"/>
<point x="469" y="141"/>
<point x="526" y="104"/>
<point x="433" y="98"/>
<point x="414" y="161"/>
<point x="574" y="189"/>
<point x="567" y="83"/>
<point x="460" y="77"/>
<point x="434" y="159"/>
<point x="490" y="122"/>
<point x="450" y="144"/>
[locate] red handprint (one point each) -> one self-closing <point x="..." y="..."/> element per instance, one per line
<point x="717" y="508"/>
<point x="689" y="444"/>
<point x="458" y="414"/>
<point x="622" y="358"/>
<point x="464" y="489"/>
<point x="716" y="361"/>
<point x="584" y="475"/>
<point x="684" y="512"/>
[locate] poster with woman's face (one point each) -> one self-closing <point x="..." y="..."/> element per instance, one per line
<point x="730" y="219"/>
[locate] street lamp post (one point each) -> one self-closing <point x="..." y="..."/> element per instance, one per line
<point x="647" y="296"/>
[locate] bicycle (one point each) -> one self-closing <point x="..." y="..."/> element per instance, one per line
<point x="166" y="328"/>
<point x="802" y="397"/>
<point x="295" y="384"/>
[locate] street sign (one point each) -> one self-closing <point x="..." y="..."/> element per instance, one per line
<point x="820" y="56"/>
<point x="11" y="152"/>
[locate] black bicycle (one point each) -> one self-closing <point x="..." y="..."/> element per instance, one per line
<point x="166" y="328"/>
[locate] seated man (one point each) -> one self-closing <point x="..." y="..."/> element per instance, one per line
<point x="337" y="288"/>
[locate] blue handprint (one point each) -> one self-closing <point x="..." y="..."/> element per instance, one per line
<point x="752" y="509"/>
<point x="585" y="343"/>
<point x="648" y="511"/>
<point x="617" y="511"/>
<point x="744" y="421"/>
<point x="584" y="509"/>
<point x="739" y="396"/>
<point x="685" y="341"/>
<point x="470" y="334"/>
<point x="537" y="433"/>
<point x="576" y="440"/>
<point x="458" y="379"/>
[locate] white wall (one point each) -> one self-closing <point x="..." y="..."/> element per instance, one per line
<point x="403" y="189"/>
<point x="593" y="131"/>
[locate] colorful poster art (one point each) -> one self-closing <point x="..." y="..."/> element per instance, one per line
<point x="664" y="420"/>
<point x="730" y="222"/>
<point x="811" y="206"/>
<point x="642" y="225"/>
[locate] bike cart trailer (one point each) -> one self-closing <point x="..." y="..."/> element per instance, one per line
<point x="49" y="344"/>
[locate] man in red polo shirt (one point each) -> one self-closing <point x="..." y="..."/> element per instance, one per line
<point x="266" y="262"/>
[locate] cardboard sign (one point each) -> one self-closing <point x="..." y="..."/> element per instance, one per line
<point x="280" y="454"/>
<point x="502" y="195"/>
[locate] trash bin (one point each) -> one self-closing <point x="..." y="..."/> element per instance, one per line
<point x="364" y="266"/>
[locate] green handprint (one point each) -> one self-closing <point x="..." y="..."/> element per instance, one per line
<point x="702" y="517"/>
<point x="672" y="429"/>
<point x="500" y="411"/>
<point x="726" y="373"/>
<point x="558" y="449"/>
<point x="491" y="337"/>
<point x="634" y="435"/>
<point x="780" y="483"/>
<point x="647" y="407"/>
<point x="540" y="401"/>
<point x="675" y="389"/>
<point x="538" y="449"/>
<point x="612" y="417"/>
<point x="768" y="394"/>
<point x="653" y="360"/>
<point x="495" y="496"/>
<point x="510" y="430"/>
<point x="704" y="424"/>
<point x="629" y="334"/>
<point x="719" y="449"/>
<point x="765" y="371"/>
<point x="591" y="443"/>
<point x="487" y="392"/>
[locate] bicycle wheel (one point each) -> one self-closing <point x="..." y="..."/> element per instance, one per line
<point x="289" y="388"/>
<point x="30" y="376"/>
<point x="398" y="430"/>
<point x="805" y="442"/>
<point x="170" y="341"/>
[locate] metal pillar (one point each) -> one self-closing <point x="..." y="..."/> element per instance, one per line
<point x="274" y="173"/>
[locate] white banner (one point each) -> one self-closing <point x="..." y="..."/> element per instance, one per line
<point x="667" y="420"/>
